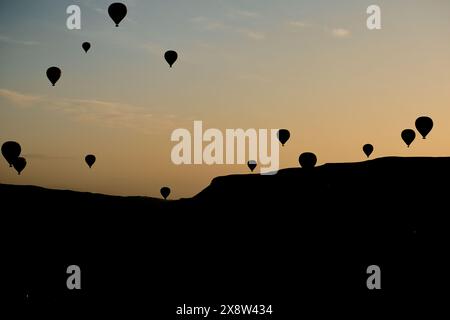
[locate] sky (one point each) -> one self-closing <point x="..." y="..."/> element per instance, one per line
<point x="311" y="66"/>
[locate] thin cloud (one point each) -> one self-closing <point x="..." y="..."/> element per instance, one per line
<point x="18" y="98"/>
<point x="297" y="24"/>
<point x="106" y="113"/>
<point x="248" y="14"/>
<point x="153" y="48"/>
<point x="7" y="39"/>
<point x="340" y="33"/>
<point x="214" y="25"/>
<point x="253" y="34"/>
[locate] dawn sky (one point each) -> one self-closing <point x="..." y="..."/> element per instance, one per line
<point x="310" y="66"/>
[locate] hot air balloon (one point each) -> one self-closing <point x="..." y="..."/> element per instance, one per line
<point x="368" y="149"/>
<point x="19" y="164"/>
<point x="53" y="74"/>
<point x="11" y="151"/>
<point x="283" y="136"/>
<point x="165" y="192"/>
<point x="307" y="160"/>
<point x="117" y="11"/>
<point x="86" y="46"/>
<point x="251" y="165"/>
<point x="171" y="56"/>
<point x="408" y="135"/>
<point x="424" y="125"/>
<point x="90" y="160"/>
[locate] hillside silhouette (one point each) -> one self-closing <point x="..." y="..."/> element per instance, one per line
<point x="290" y="239"/>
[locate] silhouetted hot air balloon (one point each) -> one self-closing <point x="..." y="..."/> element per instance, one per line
<point x="86" y="46"/>
<point x="11" y="151"/>
<point x="117" y="11"/>
<point x="283" y="136"/>
<point x="368" y="149"/>
<point x="90" y="160"/>
<point x="19" y="164"/>
<point x="165" y="192"/>
<point x="171" y="56"/>
<point x="307" y="160"/>
<point x="251" y="165"/>
<point x="53" y="74"/>
<point x="424" y="125"/>
<point x="408" y="135"/>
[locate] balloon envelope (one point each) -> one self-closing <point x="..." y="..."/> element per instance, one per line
<point x="251" y="165"/>
<point x="424" y="125"/>
<point x="90" y="160"/>
<point x="408" y="136"/>
<point x="368" y="149"/>
<point x="117" y="11"/>
<point x="283" y="136"/>
<point x="19" y="164"/>
<point x="86" y="46"/>
<point x="171" y="56"/>
<point x="11" y="150"/>
<point x="165" y="192"/>
<point x="53" y="74"/>
<point x="307" y="160"/>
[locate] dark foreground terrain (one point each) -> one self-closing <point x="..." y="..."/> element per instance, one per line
<point x="300" y="240"/>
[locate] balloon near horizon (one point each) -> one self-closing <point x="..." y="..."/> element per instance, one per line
<point x="165" y="192"/>
<point x="283" y="136"/>
<point x="252" y="165"/>
<point x="11" y="151"/>
<point x="368" y="149"/>
<point x="90" y="160"/>
<point x="307" y="160"/>
<point x="424" y="125"/>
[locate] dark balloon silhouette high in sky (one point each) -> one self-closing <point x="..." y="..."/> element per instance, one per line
<point x="171" y="56"/>
<point x="86" y="46"/>
<point x="53" y="74"/>
<point x="19" y="164"/>
<point x="368" y="149"/>
<point x="408" y="136"/>
<point x="11" y="150"/>
<point x="251" y="165"/>
<point x="165" y="192"/>
<point x="283" y="136"/>
<point x="117" y="11"/>
<point x="424" y="125"/>
<point x="90" y="160"/>
<point x="307" y="160"/>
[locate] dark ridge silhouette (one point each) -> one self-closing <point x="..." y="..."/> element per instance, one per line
<point x="301" y="236"/>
